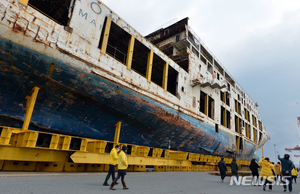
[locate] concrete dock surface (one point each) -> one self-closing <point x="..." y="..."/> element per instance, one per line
<point x="137" y="182"/>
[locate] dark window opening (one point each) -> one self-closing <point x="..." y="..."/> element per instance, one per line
<point x="217" y="128"/>
<point x="260" y="137"/>
<point x="241" y="144"/>
<point x="218" y="76"/>
<point x="209" y="68"/>
<point x="228" y="117"/>
<point x="57" y="10"/>
<point x="178" y="38"/>
<point x="211" y="107"/>
<point x="172" y="80"/>
<point x="203" y="59"/>
<point x="193" y="39"/>
<point x="195" y="51"/>
<point x="227" y="99"/>
<point x="236" y="124"/>
<point x="185" y="65"/>
<point x="157" y="70"/>
<point x="218" y="67"/>
<point x="206" y="54"/>
<point x="166" y="32"/>
<point x="202" y="102"/>
<point x="118" y="41"/>
<point x="140" y="58"/>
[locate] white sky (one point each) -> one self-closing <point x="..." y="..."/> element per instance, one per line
<point x="258" y="42"/>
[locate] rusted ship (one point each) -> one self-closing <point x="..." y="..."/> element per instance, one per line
<point x="94" y="70"/>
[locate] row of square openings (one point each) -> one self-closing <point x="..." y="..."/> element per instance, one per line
<point x="117" y="47"/>
<point x="207" y="105"/>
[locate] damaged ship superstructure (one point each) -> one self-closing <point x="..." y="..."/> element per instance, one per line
<point x="94" y="70"/>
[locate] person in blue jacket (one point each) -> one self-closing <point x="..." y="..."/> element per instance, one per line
<point x="286" y="166"/>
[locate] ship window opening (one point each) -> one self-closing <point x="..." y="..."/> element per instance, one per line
<point x="118" y="41"/>
<point x="260" y="137"/>
<point x="182" y="89"/>
<point x="225" y="117"/>
<point x="184" y="64"/>
<point x="237" y="124"/>
<point x="193" y="39"/>
<point x="254" y="135"/>
<point x="157" y="70"/>
<point x="209" y="68"/>
<point x="227" y="99"/>
<point x="166" y="32"/>
<point x="195" y="51"/>
<point x="178" y="38"/>
<point x="140" y="58"/>
<point x="259" y="125"/>
<point x="211" y="107"/>
<point x="202" y="102"/>
<point x="218" y="67"/>
<point x="228" y="117"/>
<point x="217" y="128"/>
<point x="238" y="107"/>
<point x="206" y="54"/>
<point x="203" y="59"/>
<point x="241" y="145"/>
<point x="172" y="80"/>
<point x="218" y="76"/>
<point x="57" y="10"/>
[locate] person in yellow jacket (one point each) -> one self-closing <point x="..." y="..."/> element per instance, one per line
<point x="122" y="166"/>
<point x="294" y="174"/>
<point x="278" y="170"/>
<point x="267" y="172"/>
<point x="113" y="158"/>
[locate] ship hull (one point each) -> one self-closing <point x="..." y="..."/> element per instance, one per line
<point x="76" y="102"/>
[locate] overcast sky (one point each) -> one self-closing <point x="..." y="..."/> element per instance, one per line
<point x="258" y="42"/>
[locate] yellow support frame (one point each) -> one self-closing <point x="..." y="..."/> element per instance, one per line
<point x="165" y="77"/>
<point x="206" y="105"/>
<point x="224" y="97"/>
<point x="130" y="52"/>
<point x="117" y="131"/>
<point x="237" y="124"/>
<point x="149" y="65"/>
<point x="29" y="107"/>
<point x="224" y="118"/>
<point x="254" y="135"/>
<point x="105" y="36"/>
<point x="24" y="2"/>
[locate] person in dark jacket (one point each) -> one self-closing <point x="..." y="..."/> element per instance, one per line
<point x="222" y="168"/>
<point x="286" y="166"/>
<point x="254" y="169"/>
<point x="234" y="169"/>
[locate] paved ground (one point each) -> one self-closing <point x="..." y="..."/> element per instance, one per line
<point x="138" y="183"/>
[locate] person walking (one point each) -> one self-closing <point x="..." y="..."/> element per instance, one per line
<point x="234" y="169"/>
<point x="113" y="158"/>
<point x="267" y="173"/>
<point x="122" y="166"/>
<point x="278" y="171"/>
<point x="223" y="169"/>
<point x="294" y="174"/>
<point x="254" y="169"/>
<point x="286" y="166"/>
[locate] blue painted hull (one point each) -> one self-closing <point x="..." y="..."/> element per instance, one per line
<point x="75" y="102"/>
